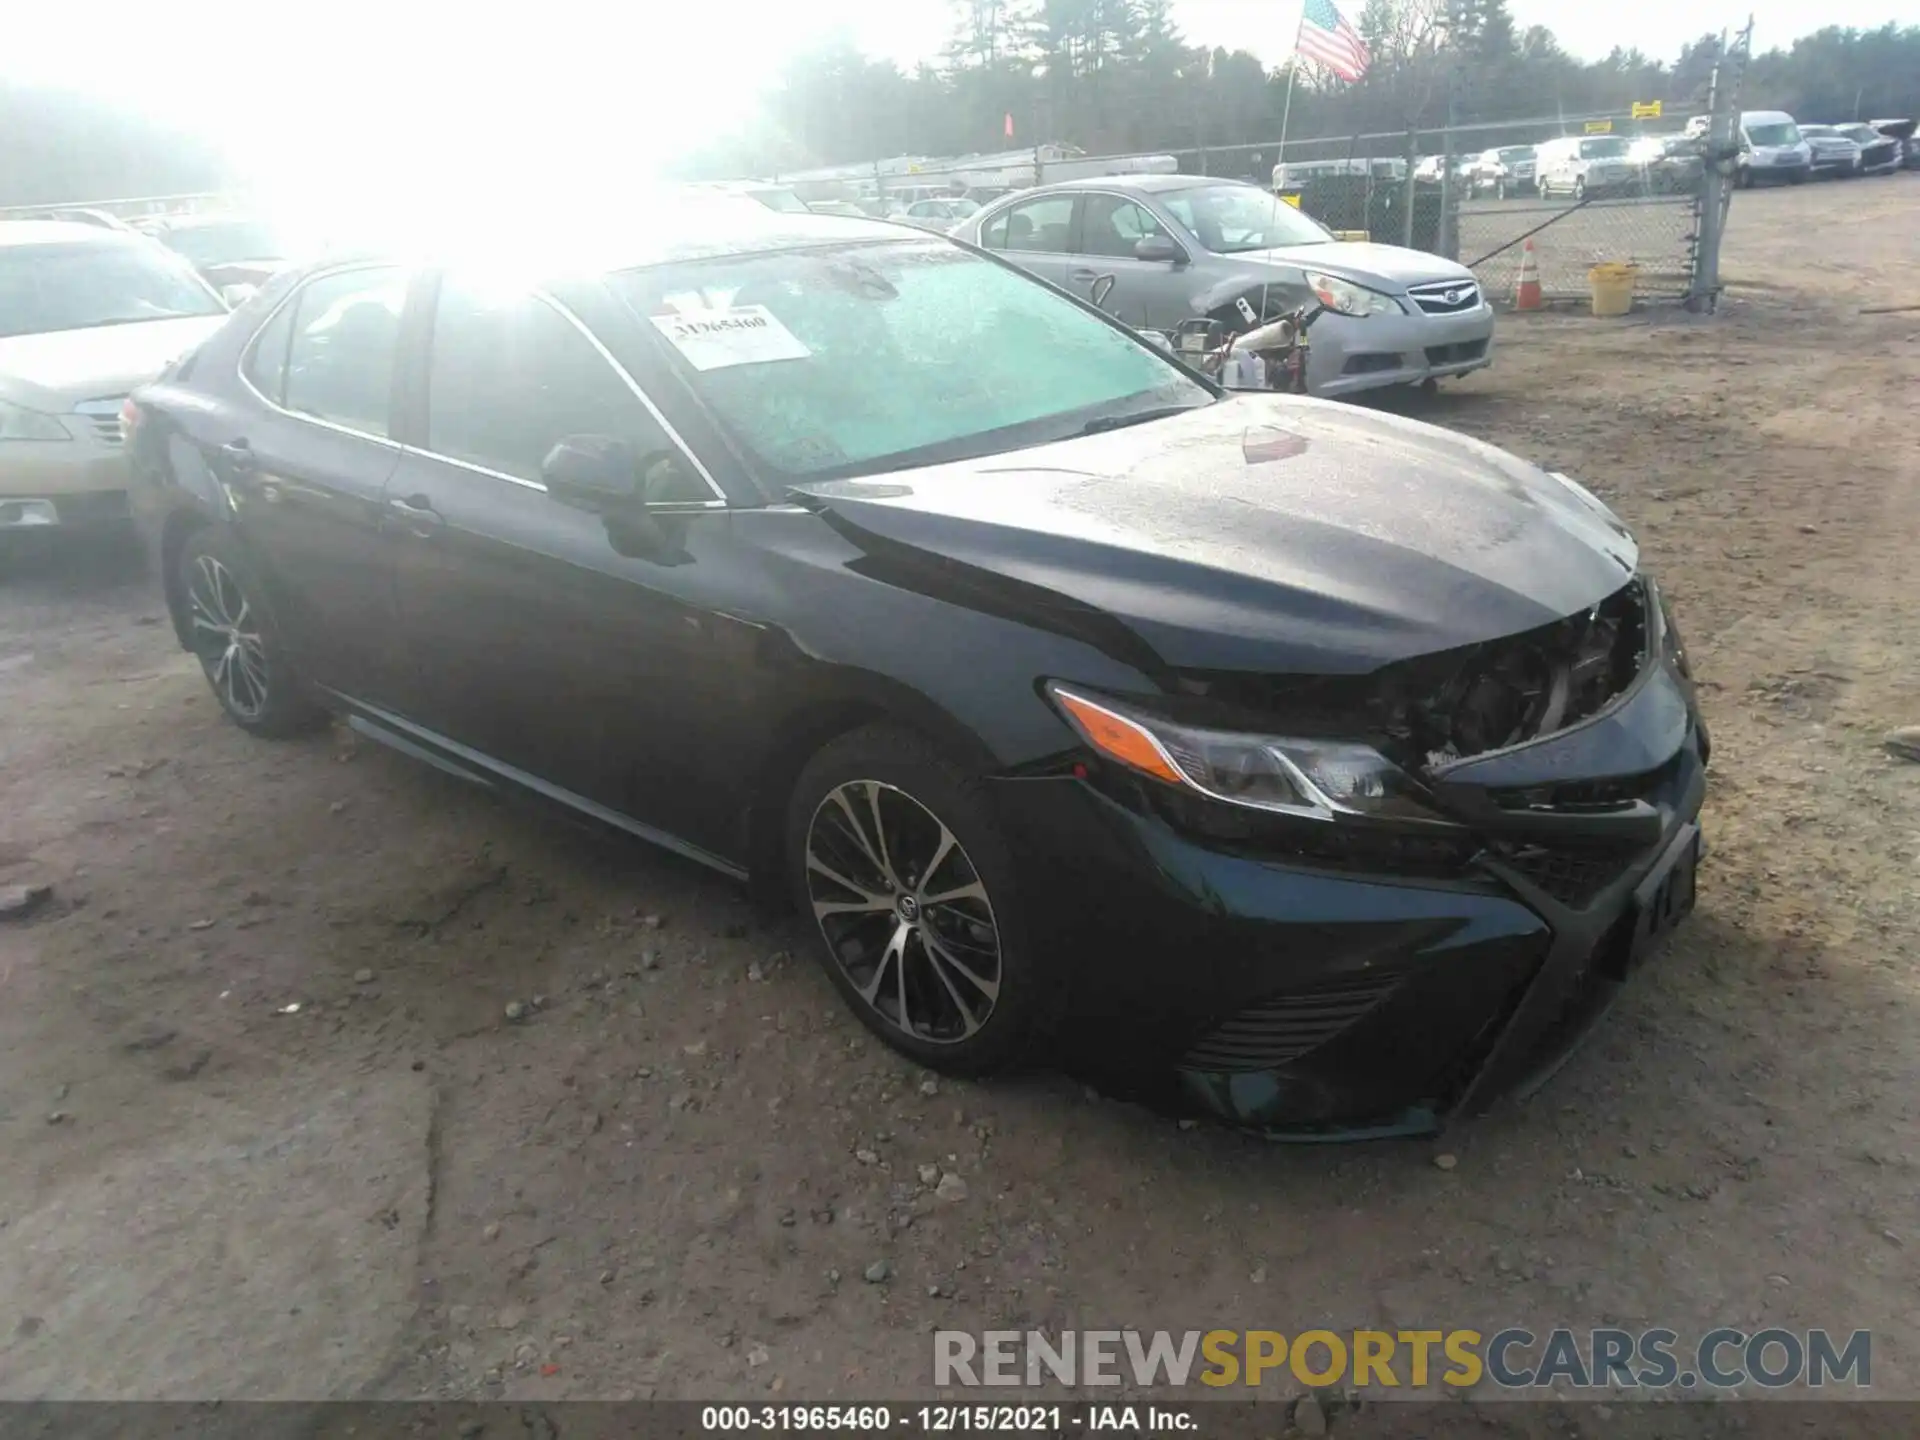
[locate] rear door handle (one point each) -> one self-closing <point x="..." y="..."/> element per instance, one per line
<point x="1084" y="276"/>
<point x="419" y="517"/>
<point x="239" y="456"/>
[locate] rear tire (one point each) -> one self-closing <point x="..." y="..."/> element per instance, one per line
<point x="232" y="632"/>
<point x="896" y="859"/>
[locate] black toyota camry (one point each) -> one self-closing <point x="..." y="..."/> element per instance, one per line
<point x="1336" y="764"/>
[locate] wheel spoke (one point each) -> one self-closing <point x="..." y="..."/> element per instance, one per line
<point x="975" y="891"/>
<point x="894" y="953"/>
<point x="870" y="899"/>
<point x="940" y="854"/>
<point x="880" y="833"/>
<point x="939" y="953"/>
<point x="968" y="1023"/>
<point x="852" y="820"/>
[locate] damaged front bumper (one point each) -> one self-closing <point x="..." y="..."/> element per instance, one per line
<point x="1319" y="1001"/>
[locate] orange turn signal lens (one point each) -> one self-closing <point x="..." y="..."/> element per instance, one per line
<point x="1119" y="738"/>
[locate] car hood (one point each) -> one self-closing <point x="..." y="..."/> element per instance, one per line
<point x="1379" y="267"/>
<point x="65" y="366"/>
<point x="1262" y="533"/>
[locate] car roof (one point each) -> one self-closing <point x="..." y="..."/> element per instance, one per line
<point x="59" y="232"/>
<point x="696" y="226"/>
<point x="1148" y="184"/>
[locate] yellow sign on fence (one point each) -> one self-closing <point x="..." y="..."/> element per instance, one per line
<point x="1293" y="200"/>
<point x="1646" y="110"/>
<point x="1599" y="127"/>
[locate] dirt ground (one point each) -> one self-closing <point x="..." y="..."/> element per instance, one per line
<point x="673" y="1176"/>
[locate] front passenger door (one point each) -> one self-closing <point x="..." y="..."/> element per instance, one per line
<point x="1149" y="293"/>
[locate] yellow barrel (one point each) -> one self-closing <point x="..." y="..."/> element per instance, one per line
<point x="1612" y="287"/>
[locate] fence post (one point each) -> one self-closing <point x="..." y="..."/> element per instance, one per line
<point x="1715" y="195"/>
<point x="1411" y="190"/>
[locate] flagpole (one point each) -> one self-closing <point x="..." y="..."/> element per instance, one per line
<point x="1293" y="73"/>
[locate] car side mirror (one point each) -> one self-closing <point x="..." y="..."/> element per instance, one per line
<point x="1158" y="249"/>
<point x="591" y="472"/>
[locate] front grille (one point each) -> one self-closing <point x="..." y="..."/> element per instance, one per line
<point x="104" y="416"/>
<point x="1282" y="1028"/>
<point x="1457" y="353"/>
<point x="1573" y="877"/>
<point x="1445" y="297"/>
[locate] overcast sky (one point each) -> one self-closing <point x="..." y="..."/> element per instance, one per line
<point x="569" y="83"/>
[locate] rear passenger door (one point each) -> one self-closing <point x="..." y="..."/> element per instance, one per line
<point x="1037" y="235"/>
<point x="306" y="468"/>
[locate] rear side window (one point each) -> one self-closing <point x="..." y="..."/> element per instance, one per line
<point x="265" y="365"/>
<point x="346" y="330"/>
<point x="511" y="376"/>
<point x="1041" y="225"/>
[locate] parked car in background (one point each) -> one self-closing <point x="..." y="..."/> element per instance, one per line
<point x="1508" y="170"/>
<point x="1771" y="149"/>
<point x="1880" y="154"/>
<point x="1181" y="246"/>
<point x="837" y="207"/>
<point x="86" y="314"/>
<point x="1430" y="167"/>
<point x="1834" y="156"/>
<point x="941" y="213"/>
<point x="1667" y="164"/>
<point x="761" y="192"/>
<point x="1585" y="165"/>
<point x="236" y="253"/>
<point x="1295" y="173"/>
<point x="1902" y="130"/>
<point x="1341" y="762"/>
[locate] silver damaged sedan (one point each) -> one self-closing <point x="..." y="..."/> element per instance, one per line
<point x="1180" y="246"/>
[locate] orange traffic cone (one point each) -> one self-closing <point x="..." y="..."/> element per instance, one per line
<point x="1526" y="293"/>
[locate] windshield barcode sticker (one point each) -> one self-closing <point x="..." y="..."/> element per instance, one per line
<point x="744" y="335"/>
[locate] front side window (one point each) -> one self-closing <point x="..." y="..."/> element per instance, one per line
<point x="1230" y="219"/>
<point x="346" y="330"/>
<point x="859" y="360"/>
<point x="1042" y="225"/>
<point x="510" y="377"/>
<point x="89" y="283"/>
<point x="1111" y="225"/>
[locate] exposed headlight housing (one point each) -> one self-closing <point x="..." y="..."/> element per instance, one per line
<point x="1306" y="778"/>
<point x="1346" y="298"/>
<point x="19" y="423"/>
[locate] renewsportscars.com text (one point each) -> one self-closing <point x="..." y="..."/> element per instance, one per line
<point x="1513" y="1358"/>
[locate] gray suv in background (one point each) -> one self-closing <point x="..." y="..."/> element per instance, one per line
<point x="1181" y="246"/>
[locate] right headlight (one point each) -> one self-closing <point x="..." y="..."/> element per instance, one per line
<point x="1309" y="778"/>
<point x="1346" y="298"/>
<point x="19" y="423"/>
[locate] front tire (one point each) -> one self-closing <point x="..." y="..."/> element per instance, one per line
<point x="895" y="856"/>
<point x="232" y="633"/>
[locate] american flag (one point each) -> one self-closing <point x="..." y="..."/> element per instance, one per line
<point x="1326" y="37"/>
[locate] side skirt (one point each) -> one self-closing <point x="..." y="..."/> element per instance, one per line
<point x="476" y="768"/>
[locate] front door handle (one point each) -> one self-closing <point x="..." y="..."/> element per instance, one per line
<point x="238" y="455"/>
<point x="418" y="516"/>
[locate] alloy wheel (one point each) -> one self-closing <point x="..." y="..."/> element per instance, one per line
<point x="226" y="636"/>
<point x="904" y="912"/>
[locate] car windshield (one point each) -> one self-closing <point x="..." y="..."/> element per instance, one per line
<point x="826" y="363"/>
<point x="1611" y="147"/>
<point x="783" y="200"/>
<point x="1230" y="219"/>
<point x="226" y="241"/>
<point x="1782" y="133"/>
<point x="1519" y="152"/>
<point x="77" y="286"/>
<point x="1862" y="134"/>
